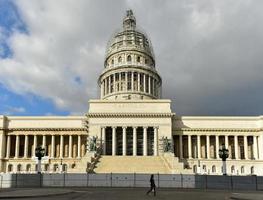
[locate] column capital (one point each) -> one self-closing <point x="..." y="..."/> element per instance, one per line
<point x="135" y="127"/>
<point x="114" y="127"/>
<point x="124" y="127"/>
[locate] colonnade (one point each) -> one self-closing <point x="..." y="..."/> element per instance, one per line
<point x="56" y="146"/>
<point x="129" y="141"/>
<point x="207" y="146"/>
<point x="131" y="81"/>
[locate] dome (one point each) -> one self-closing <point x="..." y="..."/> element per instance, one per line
<point x="129" y="38"/>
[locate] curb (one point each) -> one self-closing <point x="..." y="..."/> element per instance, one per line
<point x="32" y="196"/>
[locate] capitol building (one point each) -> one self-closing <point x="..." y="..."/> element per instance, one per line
<point x="130" y="128"/>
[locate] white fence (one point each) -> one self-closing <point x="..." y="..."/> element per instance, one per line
<point x="132" y="180"/>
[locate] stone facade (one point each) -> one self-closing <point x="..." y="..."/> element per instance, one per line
<point x="131" y="121"/>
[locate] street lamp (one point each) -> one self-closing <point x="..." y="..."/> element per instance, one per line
<point x="223" y="153"/>
<point x="39" y="153"/>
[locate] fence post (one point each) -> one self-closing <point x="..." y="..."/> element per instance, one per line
<point x="182" y="184"/>
<point x="64" y="180"/>
<point x="16" y="181"/>
<point x="158" y="180"/>
<point x="256" y="182"/>
<point x="87" y="179"/>
<point x="40" y="180"/>
<point x="231" y="182"/>
<point x="134" y="179"/>
<point x="111" y="179"/>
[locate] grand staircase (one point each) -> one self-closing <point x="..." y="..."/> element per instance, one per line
<point x="131" y="164"/>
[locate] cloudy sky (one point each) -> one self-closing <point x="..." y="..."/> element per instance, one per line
<point x="208" y="52"/>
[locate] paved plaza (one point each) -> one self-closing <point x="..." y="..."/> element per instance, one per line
<point x="126" y="193"/>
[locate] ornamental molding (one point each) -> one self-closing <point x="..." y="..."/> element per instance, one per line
<point x="219" y="129"/>
<point x="43" y="129"/>
<point x="123" y="115"/>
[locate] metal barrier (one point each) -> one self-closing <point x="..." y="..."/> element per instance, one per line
<point x="132" y="180"/>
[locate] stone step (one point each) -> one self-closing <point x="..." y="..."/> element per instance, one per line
<point x="131" y="164"/>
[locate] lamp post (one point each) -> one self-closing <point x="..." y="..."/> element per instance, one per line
<point x="39" y="153"/>
<point x="223" y="153"/>
<point x="61" y="165"/>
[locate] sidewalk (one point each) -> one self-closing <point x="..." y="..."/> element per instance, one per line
<point x="32" y="192"/>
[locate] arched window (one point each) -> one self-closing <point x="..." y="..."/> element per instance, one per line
<point x="146" y="61"/>
<point x="129" y="58"/>
<point x="112" y="61"/>
<point x="28" y="167"/>
<point x="204" y="168"/>
<point x="233" y="169"/>
<point x="19" y="168"/>
<point x="138" y="59"/>
<point x="46" y="167"/>
<point x="55" y="168"/>
<point x="119" y="59"/>
<point x="213" y="169"/>
<point x="252" y="171"/>
<point x="10" y="168"/>
<point x="242" y="170"/>
<point x="64" y="167"/>
<point x="195" y="169"/>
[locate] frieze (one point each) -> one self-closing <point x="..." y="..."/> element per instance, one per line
<point x="104" y="115"/>
<point x="219" y="129"/>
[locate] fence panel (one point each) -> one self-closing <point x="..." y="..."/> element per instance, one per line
<point x="99" y="180"/>
<point x="76" y="180"/>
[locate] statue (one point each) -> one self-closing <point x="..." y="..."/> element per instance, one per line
<point x="167" y="144"/>
<point x="92" y="143"/>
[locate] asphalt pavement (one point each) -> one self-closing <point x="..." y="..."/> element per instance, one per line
<point x="126" y="194"/>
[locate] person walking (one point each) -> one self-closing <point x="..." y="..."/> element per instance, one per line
<point x="153" y="187"/>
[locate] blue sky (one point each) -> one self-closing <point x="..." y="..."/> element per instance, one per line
<point x="13" y="103"/>
<point x="208" y="53"/>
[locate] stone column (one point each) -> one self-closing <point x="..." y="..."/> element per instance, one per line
<point x="126" y="81"/>
<point x="8" y="146"/>
<point x="44" y="142"/>
<point x="180" y="146"/>
<point x="198" y="146"/>
<point x="114" y="141"/>
<point x="114" y="83"/>
<point x="70" y="147"/>
<point x="61" y="146"/>
<point x="17" y="146"/>
<point x="255" y="147"/>
<point x="79" y="145"/>
<point x="34" y="145"/>
<point x="208" y="146"/>
<point x="217" y="147"/>
<point x="149" y="84"/>
<point x="189" y="146"/>
<point x="132" y="81"/>
<point x="138" y="81"/>
<point x="124" y="141"/>
<point x="109" y="84"/>
<point x="226" y="141"/>
<point x="145" y="141"/>
<point x="102" y="89"/>
<point x="245" y="147"/>
<point x="52" y="146"/>
<point x="236" y="147"/>
<point x="103" y="136"/>
<point x="155" y="141"/>
<point x="260" y="146"/>
<point x="144" y="83"/>
<point x="134" y="148"/>
<point x="26" y="147"/>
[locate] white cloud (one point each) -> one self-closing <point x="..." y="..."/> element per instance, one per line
<point x="204" y="49"/>
<point x="14" y="110"/>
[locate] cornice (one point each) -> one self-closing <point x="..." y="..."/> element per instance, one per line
<point x="43" y="129"/>
<point x="219" y="129"/>
<point x="122" y="115"/>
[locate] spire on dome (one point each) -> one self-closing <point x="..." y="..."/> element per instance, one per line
<point x="129" y="21"/>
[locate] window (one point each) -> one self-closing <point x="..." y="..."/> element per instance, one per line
<point x="195" y="169"/>
<point x="28" y="167"/>
<point x="213" y="169"/>
<point x="129" y="58"/>
<point x="232" y="169"/>
<point x="138" y="59"/>
<point x="112" y="61"/>
<point x="120" y="59"/>
<point x="10" y="168"/>
<point x="204" y="168"/>
<point x="19" y="168"/>
<point x="146" y="61"/>
<point x="252" y="170"/>
<point x="242" y="170"/>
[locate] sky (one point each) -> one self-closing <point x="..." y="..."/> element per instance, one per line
<point x="209" y="53"/>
